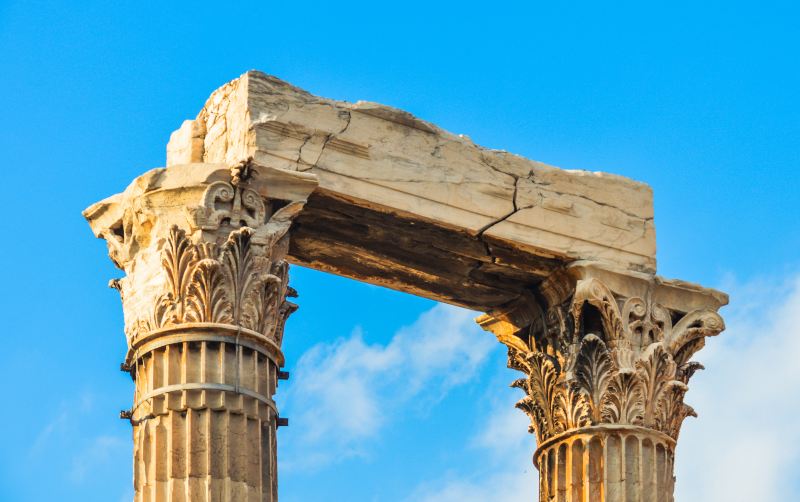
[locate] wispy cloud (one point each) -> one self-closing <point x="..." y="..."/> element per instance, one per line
<point x="746" y="443"/>
<point x="65" y="440"/>
<point x="97" y="452"/>
<point x="506" y="473"/>
<point x="68" y="411"/>
<point x="344" y="393"/>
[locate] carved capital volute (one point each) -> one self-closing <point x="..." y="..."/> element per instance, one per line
<point x="204" y="244"/>
<point x="606" y="348"/>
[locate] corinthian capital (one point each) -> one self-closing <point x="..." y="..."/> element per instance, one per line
<point x="603" y="348"/>
<point x="203" y="243"/>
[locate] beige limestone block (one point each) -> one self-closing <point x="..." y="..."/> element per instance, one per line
<point x="387" y="160"/>
<point x="186" y="144"/>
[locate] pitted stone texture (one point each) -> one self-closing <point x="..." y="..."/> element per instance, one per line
<point x="387" y="160"/>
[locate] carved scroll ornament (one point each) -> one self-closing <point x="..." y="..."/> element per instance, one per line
<point x="597" y="359"/>
<point x="217" y="257"/>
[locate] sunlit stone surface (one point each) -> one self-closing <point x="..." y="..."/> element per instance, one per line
<point x="562" y="262"/>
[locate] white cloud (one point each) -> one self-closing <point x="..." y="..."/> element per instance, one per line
<point x="343" y="393"/>
<point x="68" y="409"/>
<point x="745" y="445"/>
<point x="97" y="453"/>
<point x="497" y="487"/>
<point x="506" y="473"/>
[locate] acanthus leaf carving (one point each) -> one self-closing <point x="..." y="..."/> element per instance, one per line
<point x="627" y="366"/>
<point x="572" y="410"/>
<point x="245" y="272"/>
<point x="671" y="410"/>
<point x="541" y="387"/>
<point x="208" y="301"/>
<point x="177" y="259"/>
<point x="593" y="373"/>
<point x="237" y="283"/>
<point x="657" y="370"/>
<point x="687" y="370"/>
<point x="287" y="308"/>
<point x="623" y="403"/>
<point x="273" y="297"/>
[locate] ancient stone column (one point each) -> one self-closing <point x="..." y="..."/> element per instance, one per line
<point x="606" y="359"/>
<point x="203" y="248"/>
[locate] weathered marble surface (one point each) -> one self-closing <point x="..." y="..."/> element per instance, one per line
<point x="562" y="263"/>
<point x="510" y="220"/>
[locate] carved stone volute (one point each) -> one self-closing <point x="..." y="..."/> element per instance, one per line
<point x="203" y="243"/>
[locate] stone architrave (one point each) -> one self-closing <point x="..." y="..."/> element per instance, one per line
<point x="562" y="262"/>
<point x="425" y="211"/>
<point x="204" y="250"/>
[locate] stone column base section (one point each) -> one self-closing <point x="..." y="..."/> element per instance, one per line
<point x="203" y="394"/>
<point x="204" y="247"/>
<point x="606" y="463"/>
<point x="606" y="359"/>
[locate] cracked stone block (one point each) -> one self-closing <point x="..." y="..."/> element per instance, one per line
<point x="514" y="218"/>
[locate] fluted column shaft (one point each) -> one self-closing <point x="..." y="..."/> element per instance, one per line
<point x="614" y="464"/>
<point x="204" y="420"/>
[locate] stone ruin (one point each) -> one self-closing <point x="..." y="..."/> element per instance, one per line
<point x="561" y="262"/>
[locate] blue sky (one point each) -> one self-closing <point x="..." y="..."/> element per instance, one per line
<point x="698" y="99"/>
